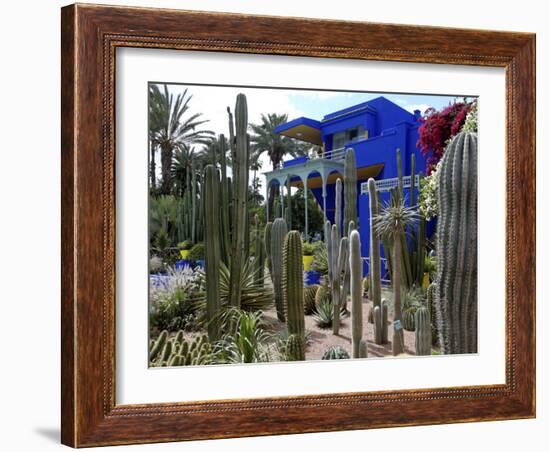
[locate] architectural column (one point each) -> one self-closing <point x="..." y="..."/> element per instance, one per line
<point x="289" y="203"/>
<point x="324" y="187"/>
<point x="267" y="184"/>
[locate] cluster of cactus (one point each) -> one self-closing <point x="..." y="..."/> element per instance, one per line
<point x="359" y="346"/>
<point x="423" y="331"/>
<point x="456" y="283"/>
<point x="177" y="351"/>
<point x="335" y="352"/>
<point x="413" y="250"/>
<point x="293" y="284"/>
<point x="310" y="293"/>
<point x="189" y="218"/>
<point x="278" y="236"/>
<point x="227" y="216"/>
<point x="380" y="320"/>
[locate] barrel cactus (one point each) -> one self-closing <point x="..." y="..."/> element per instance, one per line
<point x="309" y="298"/>
<point x="335" y="352"/>
<point x="456" y="282"/>
<point x="408" y="318"/>
<point x="293" y="284"/>
<point x="322" y="295"/>
<point x="423" y="332"/>
<point x="278" y="235"/>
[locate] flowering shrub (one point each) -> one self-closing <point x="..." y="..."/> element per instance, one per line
<point x="470" y="124"/>
<point x="437" y="128"/>
<point x="428" y="204"/>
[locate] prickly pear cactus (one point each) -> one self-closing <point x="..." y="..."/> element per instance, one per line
<point x="456" y="282"/>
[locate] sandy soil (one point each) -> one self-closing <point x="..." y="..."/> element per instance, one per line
<point x="320" y="339"/>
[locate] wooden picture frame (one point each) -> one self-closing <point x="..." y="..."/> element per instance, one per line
<point x="90" y="36"/>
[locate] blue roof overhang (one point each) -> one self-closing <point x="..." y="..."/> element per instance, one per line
<point x="304" y="129"/>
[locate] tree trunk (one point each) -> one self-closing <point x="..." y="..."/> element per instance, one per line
<point x="166" y="163"/>
<point x="153" y="166"/>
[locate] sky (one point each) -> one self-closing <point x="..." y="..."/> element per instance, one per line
<point x="212" y="102"/>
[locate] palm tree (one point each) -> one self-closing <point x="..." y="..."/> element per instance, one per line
<point x="170" y="129"/>
<point x="182" y="163"/>
<point x="392" y="223"/>
<point x="265" y="139"/>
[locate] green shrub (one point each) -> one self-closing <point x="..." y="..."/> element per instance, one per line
<point x="185" y="245"/>
<point x="308" y="249"/>
<point x="196" y="252"/>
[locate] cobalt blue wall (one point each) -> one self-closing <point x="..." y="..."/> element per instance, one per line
<point x="390" y="127"/>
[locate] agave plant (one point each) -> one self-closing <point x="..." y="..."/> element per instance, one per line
<point x="323" y="314"/>
<point x="392" y="223"/>
<point x="247" y="340"/>
<point x="254" y="297"/>
<point x="320" y="261"/>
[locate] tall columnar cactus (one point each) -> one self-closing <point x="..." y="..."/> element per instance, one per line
<point x="193" y="203"/>
<point x="420" y="243"/>
<point x="423" y="331"/>
<point x="293" y="283"/>
<point x="350" y="189"/>
<point x="335" y="283"/>
<point x="430" y="298"/>
<point x="374" y="258"/>
<point x="278" y="235"/>
<point x="356" y="281"/>
<point x="240" y="196"/>
<point x="213" y="255"/>
<point x="225" y="202"/>
<point x="267" y="245"/>
<point x="338" y="207"/>
<point x="380" y="318"/>
<point x="259" y="258"/>
<point x="456" y="290"/>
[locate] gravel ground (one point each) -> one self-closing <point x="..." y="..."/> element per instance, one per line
<point x="320" y="339"/>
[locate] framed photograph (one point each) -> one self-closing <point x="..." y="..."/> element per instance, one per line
<point x="282" y="225"/>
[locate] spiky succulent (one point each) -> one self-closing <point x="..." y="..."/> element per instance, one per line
<point x="335" y="352"/>
<point x="323" y="314"/>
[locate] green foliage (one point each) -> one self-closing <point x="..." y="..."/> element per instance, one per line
<point x="320" y="260"/>
<point x="335" y="352"/>
<point x="245" y="340"/>
<point x="428" y="204"/>
<point x="185" y="245"/>
<point x="308" y="249"/>
<point x="197" y="252"/>
<point x="324" y="314"/>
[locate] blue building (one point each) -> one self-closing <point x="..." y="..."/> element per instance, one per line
<point x="374" y="130"/>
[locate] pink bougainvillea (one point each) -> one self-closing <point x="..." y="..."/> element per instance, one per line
<point x="437" y="128"/>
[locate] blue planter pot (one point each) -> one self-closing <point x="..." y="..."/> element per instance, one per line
<point x="200" y="263"/>
<point x="183" y="263"/>
<point x="312" y="277"/>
